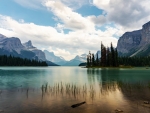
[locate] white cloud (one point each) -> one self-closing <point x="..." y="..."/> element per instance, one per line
<point x="66" y="45"/>
<point x="37" y="4"/>
<point x="71" y="19"/>
<point x="75" y="3"/>
<point x="34" y="4"/>
<point x="128" y="14"/>
<point x="98" y="20"/>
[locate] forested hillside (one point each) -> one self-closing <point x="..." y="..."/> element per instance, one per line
<point x="17" y="61"/>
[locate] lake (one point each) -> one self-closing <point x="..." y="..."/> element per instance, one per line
<point x="56" y="89"/>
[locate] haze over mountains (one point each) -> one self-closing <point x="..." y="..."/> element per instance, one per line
<point x="61" y="61"/>
<point x="13" y="46"/>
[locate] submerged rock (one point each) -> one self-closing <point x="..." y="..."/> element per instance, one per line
<point x="118" y="111"/>
<point x="146" y="102"/>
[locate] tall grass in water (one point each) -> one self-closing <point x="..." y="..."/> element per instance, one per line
<point x="85" y="91"/>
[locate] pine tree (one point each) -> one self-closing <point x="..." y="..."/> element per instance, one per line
<point x="88" y="63"/>
<point x="97" y="59"/>
<point x="112" y="56"/>
<point x="108" y="57"/>
<point x="116" y="58"/>
<point x="103" y="55"/>
<point x="90" y="58"/>
<point x="93" y="60"/>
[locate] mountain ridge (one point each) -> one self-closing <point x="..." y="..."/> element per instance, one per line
<point x="13" y="46"/>
<point x="135" y="43"/>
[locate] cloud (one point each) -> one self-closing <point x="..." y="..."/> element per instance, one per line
<point x="34" y="4"/>
<point x="38" y="4"/>
<point x="129" y="14"/>
<point x="69" y="18"/>
<point x="75" y="4"/>
<point x="98" y="20"/>
<point x="71" y="44"/>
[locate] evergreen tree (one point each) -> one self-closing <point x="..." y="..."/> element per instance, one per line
<point x="113" y="63"/>
<point x="90" y="58"/>
<point x="97" y="60"/>
<point x="93" y="60"/>
<point x="88" y="63"/>
<point x="103" y="55"/>
<point x="116" y="58"/>
<point x="16" y="61"/>
<point x="108" y="57"/>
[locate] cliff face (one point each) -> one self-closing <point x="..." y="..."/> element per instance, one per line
<point x="145" y="34"/>
<point x="135" y="42"/>
<point x="129" y="40"/>
<point x="39" y="53"/>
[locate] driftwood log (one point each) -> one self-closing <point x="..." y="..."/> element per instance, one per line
<point x="76" y="105"/>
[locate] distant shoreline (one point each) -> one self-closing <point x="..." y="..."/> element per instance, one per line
<point x="128" y="67"/>
<point x="110" y="67"/>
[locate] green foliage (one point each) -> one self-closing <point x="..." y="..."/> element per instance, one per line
<point x="103" y="55"/>
<point x="109" y="58"/>
<point x="17" y="61"/>
<point x="134" y="61"/>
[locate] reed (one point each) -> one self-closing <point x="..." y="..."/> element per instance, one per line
<point x="85" y="91"/>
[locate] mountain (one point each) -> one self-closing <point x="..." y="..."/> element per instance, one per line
<point x="135" y="43"/>
<point x="13" y="46"/>
<point x="56" y="59"/>
<point x="77" y="60"/>
<point x="2" y="37"/>
<point x="97" y="53"/>
<point x="61" y="61"/>
<point x="39" y="53"/>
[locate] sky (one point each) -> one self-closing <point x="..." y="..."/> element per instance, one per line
<point x="71" y="27"/>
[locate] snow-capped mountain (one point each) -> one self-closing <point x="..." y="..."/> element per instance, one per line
<point x="39" y="53"/>
<point x="77" y="60"/>
<point x="81" y="58"/>
<point x="56" y="59"/>
<point x="61" y="61"/>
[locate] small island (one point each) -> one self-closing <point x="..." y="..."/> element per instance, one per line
<point x="110" y="59"/>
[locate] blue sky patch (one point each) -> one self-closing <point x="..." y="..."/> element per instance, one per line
<point x="17" y="12"/>
<point x="87" y="10"/>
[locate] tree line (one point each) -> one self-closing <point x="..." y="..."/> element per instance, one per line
<point x="17" y="61"/>
<point x="134" y="61"/>
<point x="109" y="57"/>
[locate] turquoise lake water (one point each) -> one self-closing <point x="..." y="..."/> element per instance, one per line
<point x="12" y="77"/>
<point x="21" y="90"/>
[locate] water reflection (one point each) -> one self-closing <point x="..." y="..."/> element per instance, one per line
<point x="56" y="89"/>
<point x="125" y="75"/>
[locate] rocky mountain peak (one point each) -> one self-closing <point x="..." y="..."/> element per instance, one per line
<point x="2" y="37"/>
<point x="81" y="57"/>
<point x="128" y="41"/>
<point x="29" y="45"/>
<point x="11" y="44"/>
<point x="135" y="42"/>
